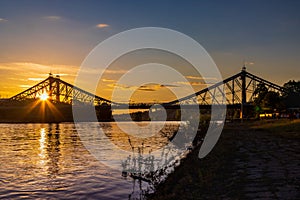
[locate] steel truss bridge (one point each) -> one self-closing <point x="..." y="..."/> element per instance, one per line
<point x="235" y="91"/>
<point x="59" y="91"/>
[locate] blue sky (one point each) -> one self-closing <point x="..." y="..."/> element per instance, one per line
<point x="59" y="34"/>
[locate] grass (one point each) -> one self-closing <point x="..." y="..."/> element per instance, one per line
<point x="196" y="178"/>
<point x="283" y="128"/>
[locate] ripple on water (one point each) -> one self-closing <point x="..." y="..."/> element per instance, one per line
<point x="48" y="161"/>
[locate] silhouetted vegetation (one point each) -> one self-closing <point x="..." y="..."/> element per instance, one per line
<point x="292" y="98"/>
<point x="267" y="100"/>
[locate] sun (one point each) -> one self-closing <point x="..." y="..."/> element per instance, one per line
<point x="44" y="96"/>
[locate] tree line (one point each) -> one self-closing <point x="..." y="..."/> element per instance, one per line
<point x="266" y="100"/>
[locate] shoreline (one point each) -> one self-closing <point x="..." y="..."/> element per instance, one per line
<point x="251" y="160"/>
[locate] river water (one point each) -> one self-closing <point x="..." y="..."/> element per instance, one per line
<point x="49" y="161"/>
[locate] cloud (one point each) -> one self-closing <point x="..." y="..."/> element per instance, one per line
<point x="53" y="17"/>
<point x="35" y="72"/>
<point x="102" y="25"/>
<point x="36" y="79"/>
<point x="21" y="75"/>
<point x="169" y="85"/>
<point x="194" y="77"/>
<point x="201" y="78"/>
<point x="154" y="87"/>
<point x="147" y="87"/>
<point x="121" y="86"/>
<point x="23" y="66"/>
<point x="107" y="80"/>
<point x="150" y="87"/>
<point x="59" y="74"/>
<point x="25" y="86"/>
<point x="3" y="20"/>
<point x="118" y="71"/>
<point x="17" y="79"/>
<point x="192" y="83"/>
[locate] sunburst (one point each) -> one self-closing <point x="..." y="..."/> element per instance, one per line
<point x="44" y="96"/>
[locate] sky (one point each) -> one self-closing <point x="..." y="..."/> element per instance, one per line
<point x="37" y="37"/>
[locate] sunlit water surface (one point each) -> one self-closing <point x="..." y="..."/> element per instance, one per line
<point x="49" y="161"/>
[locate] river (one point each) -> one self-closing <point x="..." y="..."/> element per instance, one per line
<point x="49" y="161"/>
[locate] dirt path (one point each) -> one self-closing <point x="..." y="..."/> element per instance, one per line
<point x="268" y="165"/>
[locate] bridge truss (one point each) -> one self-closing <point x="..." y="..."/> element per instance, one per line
<point x="234" y="91"/>
<point x="238" y="89"/>
<point x="59" y="91"/>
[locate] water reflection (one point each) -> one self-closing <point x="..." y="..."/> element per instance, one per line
<point x="40" y="161"/>
<point x="53" y="150"/>
<point x="42" y="148"/>
<point x="49" y="150"/>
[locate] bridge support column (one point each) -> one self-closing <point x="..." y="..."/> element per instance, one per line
<point x="57" y="91"/>
<point x="50" y="86"/>
<point x="244" y="97"/>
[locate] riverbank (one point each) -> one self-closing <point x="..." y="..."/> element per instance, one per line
<point x="37" y="111"/>
<point x="251" y="160"/>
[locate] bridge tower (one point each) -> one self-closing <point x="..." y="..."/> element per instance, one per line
<point x="244" y="91"/>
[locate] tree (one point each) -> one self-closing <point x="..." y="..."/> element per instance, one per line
<point x="266" y="100"/>
<point x="292" y="86"/>
<point x="292" y="97"/>
<point x="260" y="92"/>
<point x="272" y="100"/>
